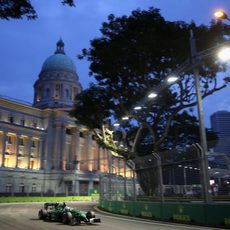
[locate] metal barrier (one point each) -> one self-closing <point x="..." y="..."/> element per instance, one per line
<point x="216" y="215"/>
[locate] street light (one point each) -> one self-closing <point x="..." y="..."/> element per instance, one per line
<point x="152" y="95"/>
<point x="172" y="79"/>
<point x="220" y="14"/>
<point x="224" y="54"/>
<point x="137" y="108"/>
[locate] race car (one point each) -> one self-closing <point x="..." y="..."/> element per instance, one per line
<point x="67" y="215"/>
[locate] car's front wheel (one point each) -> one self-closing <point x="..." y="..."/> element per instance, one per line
<point x="67" y="218"/>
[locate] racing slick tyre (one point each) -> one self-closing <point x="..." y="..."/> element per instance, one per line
<point x="90" y="214"/>
<point x="42" y="214"/>
<point x="67" y="218"/>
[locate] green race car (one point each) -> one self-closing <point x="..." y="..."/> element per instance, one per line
<point x="62" y="213"/>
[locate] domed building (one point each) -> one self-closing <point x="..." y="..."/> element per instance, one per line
<point x="43" y="151"/>
<point x="58" y="81"/>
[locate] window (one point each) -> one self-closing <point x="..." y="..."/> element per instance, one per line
<point x="22" y="188"/>
<point x="81" y="134"/>
<point x="34" y="124"/>
<point x="33" y="144"/>
<point x="70" y="186"/>
<point x="23" y="121"/>
<point x="34" y="187"/>
<point x="9" y="140"/>
<point x="21" y="142"/>
<point x="8" y="188"/>
<point x="32" y="164"/>
<point x="11" y="119"/>
<point x="68" y="131"/>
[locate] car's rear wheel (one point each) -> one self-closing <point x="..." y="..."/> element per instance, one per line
<point x="67" y="218"/>
<point x="42" y="214"/>
<point x="90" y="214"/>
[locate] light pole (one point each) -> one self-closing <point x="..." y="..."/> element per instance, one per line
<point x="203" y="139"/>
<point x="185" y="178"/>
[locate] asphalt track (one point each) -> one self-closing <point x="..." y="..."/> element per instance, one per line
<point x="23" y="216"/>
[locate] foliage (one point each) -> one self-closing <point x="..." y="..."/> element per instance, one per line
<point x="133" y="57"/>
<point x="11" y="199"/>
<point x="16" y="9"/>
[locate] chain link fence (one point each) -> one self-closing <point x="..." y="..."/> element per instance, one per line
<point x="171" y="177"/>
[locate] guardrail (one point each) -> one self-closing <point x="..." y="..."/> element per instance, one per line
<point x="215" y="215"/>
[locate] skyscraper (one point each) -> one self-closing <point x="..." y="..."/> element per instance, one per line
<point x="220" y="123"/>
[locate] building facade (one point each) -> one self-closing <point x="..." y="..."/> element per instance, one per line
<point x="220" y="123"/>
<point x="43" y="151"/>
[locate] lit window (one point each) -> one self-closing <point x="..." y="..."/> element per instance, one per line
<point x="9" y="140"/>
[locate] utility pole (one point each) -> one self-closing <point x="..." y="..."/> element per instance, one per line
<point x="203" y="140"/>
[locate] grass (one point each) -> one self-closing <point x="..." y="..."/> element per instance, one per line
<point x="44" y="199"/>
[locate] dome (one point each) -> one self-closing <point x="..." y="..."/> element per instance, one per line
<point x="57" y="83"/>
<point x="59" y="61"/>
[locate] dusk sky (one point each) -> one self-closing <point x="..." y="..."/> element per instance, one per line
<point x="25" y="45"/>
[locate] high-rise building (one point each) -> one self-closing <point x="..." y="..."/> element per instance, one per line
<point x="220" y="123"/>
<point x="43" y="151"/>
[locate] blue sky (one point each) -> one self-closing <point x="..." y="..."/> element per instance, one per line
<point x="26" y="44"/>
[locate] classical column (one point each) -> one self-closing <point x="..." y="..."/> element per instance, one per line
<point x="89" y="151"/>
<point x="77" y="148"/>
<point x="17" y="150"/>
<point x="62" y="157"/>
<point x="29" y="151"/>
<point x="41" y="153"/>
<point x="50" y="144"/>
<point x="3" y="149"/>
<point x="98" y="160"/>
<point x="90" y="186"/>
<point x="56" y="158"/>
<point x="73" y="145"/>
<point x="77" y="186"/>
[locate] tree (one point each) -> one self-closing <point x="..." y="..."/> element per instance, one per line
<point x="16" y="9"/>
<point x="134" y="56"/>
